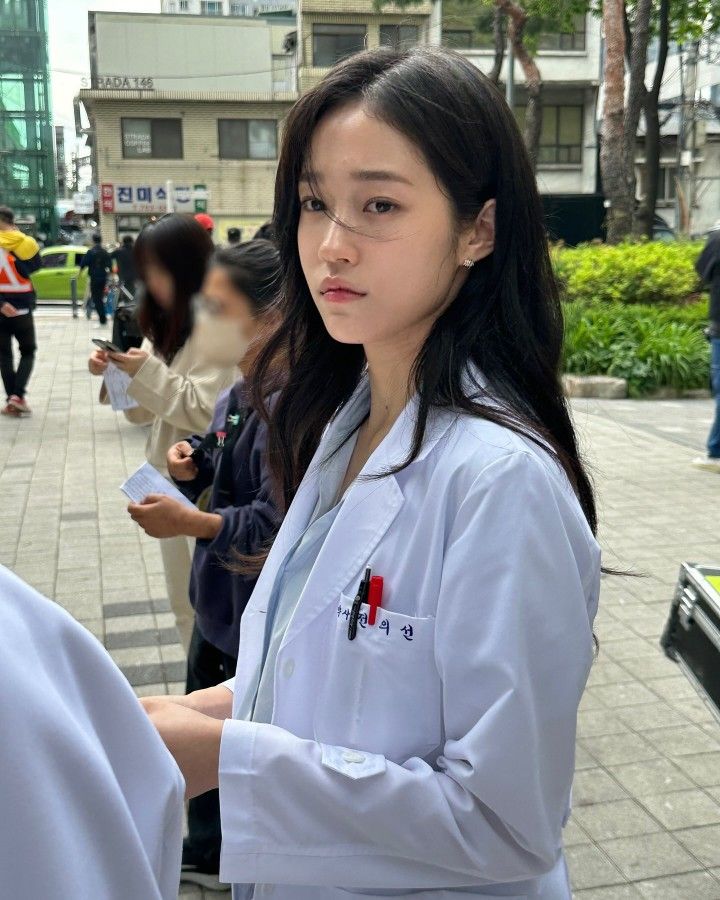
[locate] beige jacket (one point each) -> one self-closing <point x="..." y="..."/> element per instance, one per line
<point x="176" y="399"/>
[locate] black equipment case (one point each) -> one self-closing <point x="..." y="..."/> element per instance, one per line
<point x="692" y="634"/>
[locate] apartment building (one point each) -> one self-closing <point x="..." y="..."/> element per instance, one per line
<point x="228" y="7"/>
<point x="200" y="136"/>
<point x="570" y="67"/>
<point x="329" y="30"/>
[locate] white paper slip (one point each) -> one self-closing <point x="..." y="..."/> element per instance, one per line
<point x="147" y="480"/>
<point x="116" y="384"/>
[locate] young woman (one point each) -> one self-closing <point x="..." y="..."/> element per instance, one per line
<point x="239" y="516"/>
<point x="174" y="385"/>
<point x="415" y="735"/>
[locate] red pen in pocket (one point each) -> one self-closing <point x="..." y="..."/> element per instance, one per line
<point x="374" y="597"/>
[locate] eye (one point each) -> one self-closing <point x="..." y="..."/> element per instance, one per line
<point x="381" y="206"/>
<point x="312" y="204"/>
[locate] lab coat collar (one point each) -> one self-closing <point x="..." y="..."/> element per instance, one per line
<point x="369" y="507"/>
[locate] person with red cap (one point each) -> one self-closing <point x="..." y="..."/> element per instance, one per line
<point x="206" y="221"/>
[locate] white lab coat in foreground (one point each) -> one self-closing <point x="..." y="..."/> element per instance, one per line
<point x="91" y="802"/>
<point x="436" y="751"/>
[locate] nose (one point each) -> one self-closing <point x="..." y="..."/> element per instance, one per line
<point x="337" y="243"/>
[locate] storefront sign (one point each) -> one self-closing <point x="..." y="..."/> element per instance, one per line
<point x="200" y="196"/>
<point x="107" y="198"/>
<point x="83" y="202"/>
<point x="144" y="198"/>
<point x="121" y="83"/>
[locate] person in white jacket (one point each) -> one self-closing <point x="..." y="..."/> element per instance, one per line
<point x="92" y="802"/>
<point x="403" y="717"/>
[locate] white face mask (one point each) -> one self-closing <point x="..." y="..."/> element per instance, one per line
<point x="219" y="339"/>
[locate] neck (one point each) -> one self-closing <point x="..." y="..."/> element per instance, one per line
<point x="389" y="371"/>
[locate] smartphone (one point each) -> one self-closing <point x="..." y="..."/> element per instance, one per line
<point x="107" y="346"/>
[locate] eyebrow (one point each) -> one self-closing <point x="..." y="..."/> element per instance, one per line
<point x="360" y="175"/>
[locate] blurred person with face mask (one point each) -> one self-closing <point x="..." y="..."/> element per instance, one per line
<point x="172" y="380"/>
<point x="228" y="467"/>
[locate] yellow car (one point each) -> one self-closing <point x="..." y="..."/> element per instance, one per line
<point x="59" y="265"/>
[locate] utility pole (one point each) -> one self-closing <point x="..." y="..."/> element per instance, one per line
<point x="680" y="144"/>
<point x="692" y="101"/>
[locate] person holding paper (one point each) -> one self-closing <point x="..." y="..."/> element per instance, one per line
<point x="174" y="385"/>
<point x="241" y="518"/>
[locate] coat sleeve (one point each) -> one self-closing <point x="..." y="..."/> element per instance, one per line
<point x="513" y="650"/>
<point x="184" y="401"/>
<point x="206" y="464"/>
<point x="248" y="529"/>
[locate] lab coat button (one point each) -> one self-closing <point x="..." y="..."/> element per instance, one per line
<point x="351" y="756"/>
<point x="289" y="668"/>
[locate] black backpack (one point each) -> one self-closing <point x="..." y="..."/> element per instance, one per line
<point x="126" y="331"/>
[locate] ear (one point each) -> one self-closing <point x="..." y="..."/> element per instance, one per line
<point x="479" y="240"/>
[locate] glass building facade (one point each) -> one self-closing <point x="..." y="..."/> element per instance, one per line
<point x="27" y="165"/>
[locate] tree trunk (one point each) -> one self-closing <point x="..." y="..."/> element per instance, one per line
<point x="499" y="37"/>
<point x="517" y="19"/>
<point x="613" y="149"/>
<point x="636" y="92"/>
<point x="653" y="142"/>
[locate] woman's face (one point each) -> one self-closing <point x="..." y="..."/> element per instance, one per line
<point x="228" y="302"/>
<point x="388" y="259"/>
<point x="160" y="284"/>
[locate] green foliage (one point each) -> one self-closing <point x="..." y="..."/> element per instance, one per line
<point x="650" y="346"/>
<point x="643" y="272"/>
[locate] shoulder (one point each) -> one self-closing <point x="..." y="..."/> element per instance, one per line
<point x="477" y="457"/>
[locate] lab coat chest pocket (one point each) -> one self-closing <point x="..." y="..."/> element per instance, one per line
<point x="381" y="692"/>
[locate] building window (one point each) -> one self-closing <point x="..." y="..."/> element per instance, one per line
<point x="459" y="39"/>
<point x="331" y="43"/>
<point x="570" y="40"/>
<point x="666" y="183"/>
<point x="211" y="8"/>
<point x="152" y="138"/>
<point x="561" y="134"/>
<point x="401" y="37"/>
<point x="240" y="9"/>
<point x="184" y="5"/>
<point x="247" y="138"/>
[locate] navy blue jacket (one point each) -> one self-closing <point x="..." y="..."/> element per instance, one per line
<point x="250" y="520"/>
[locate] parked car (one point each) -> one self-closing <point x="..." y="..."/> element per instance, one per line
<point x="662" y="231"/>
<point x="59" y="265"/>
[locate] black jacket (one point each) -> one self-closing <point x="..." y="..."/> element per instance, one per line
<point x="708" y="268"/>
<point x="98" y="263"/>
<point x="241" y="494"/>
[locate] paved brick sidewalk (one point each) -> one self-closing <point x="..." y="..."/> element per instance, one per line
<point x="647" y="793"/>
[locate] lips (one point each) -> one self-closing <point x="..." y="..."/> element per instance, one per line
<point x="336" y="291"/>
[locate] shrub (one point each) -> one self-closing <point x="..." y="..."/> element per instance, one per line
<point x="650" y="347"/>
<point x="645" y="272"/>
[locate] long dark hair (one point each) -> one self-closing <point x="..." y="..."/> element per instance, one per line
<point x="506" y="319"/>
<point x="253" y="269"/>
<point x="182" y="247"/>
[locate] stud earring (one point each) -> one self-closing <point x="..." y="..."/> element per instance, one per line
<point x="468" y="263"/>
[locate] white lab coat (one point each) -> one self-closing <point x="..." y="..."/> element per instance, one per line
<point x="442" y="762"/>
<point x="91" y="802"/>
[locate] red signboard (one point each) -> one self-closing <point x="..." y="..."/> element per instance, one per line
<point x="107" y="195"/>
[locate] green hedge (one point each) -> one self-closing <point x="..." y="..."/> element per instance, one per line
<point x="644" y="272"/>
<point x="651" y="347"/>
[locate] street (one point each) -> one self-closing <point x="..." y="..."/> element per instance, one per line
<point x="646" y="820"/>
